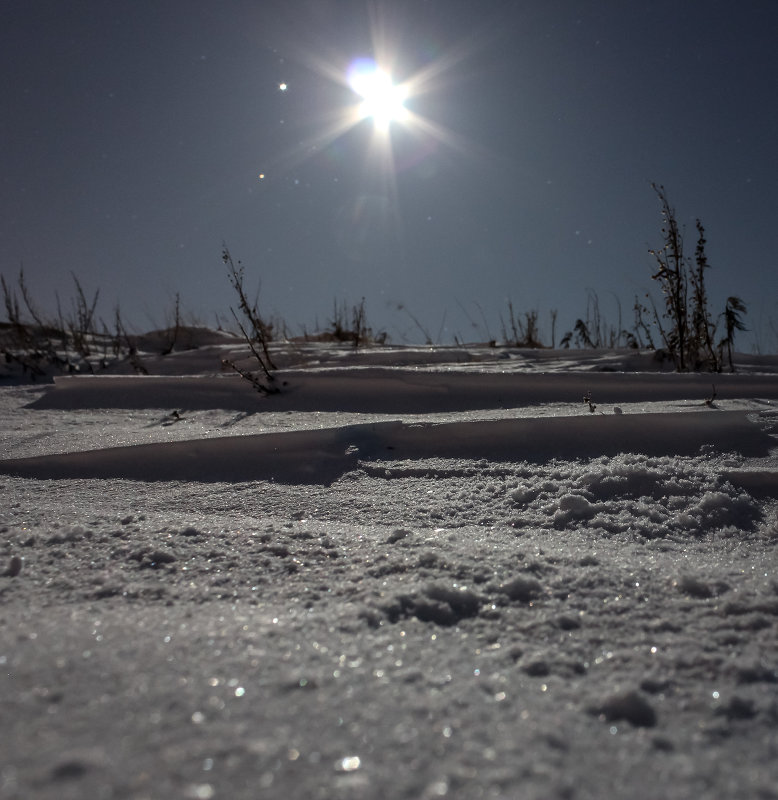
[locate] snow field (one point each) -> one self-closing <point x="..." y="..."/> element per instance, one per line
<point x="477" y="601"/>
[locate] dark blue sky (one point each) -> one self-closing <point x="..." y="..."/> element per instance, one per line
<point x="133" y="134"/>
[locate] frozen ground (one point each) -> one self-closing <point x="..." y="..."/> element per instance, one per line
<point x="412" y="574"/>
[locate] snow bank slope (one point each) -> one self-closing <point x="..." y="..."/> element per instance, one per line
<point x="396" y="391"/>
<point x="322" y="456"/>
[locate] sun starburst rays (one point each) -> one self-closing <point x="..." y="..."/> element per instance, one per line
<point x="389" y="107"/>
<point x="378" y="120"/>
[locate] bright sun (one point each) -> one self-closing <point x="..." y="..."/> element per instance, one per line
<point x="382" y="100"/>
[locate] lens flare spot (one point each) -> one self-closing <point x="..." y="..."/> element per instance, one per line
<point x="349" y="763"/>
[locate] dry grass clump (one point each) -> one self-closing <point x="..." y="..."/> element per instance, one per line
<point x="686" y="326"/>
<point x="75" y="341"/>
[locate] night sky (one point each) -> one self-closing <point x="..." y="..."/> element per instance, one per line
<point x="137" y="136"/>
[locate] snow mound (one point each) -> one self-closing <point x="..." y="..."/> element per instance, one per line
<point x="684" y="496"/>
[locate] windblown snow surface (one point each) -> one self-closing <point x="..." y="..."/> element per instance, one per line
<point x="412" y="573"/>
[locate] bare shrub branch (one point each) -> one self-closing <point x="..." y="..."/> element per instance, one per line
<point x="256" y="332"/>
